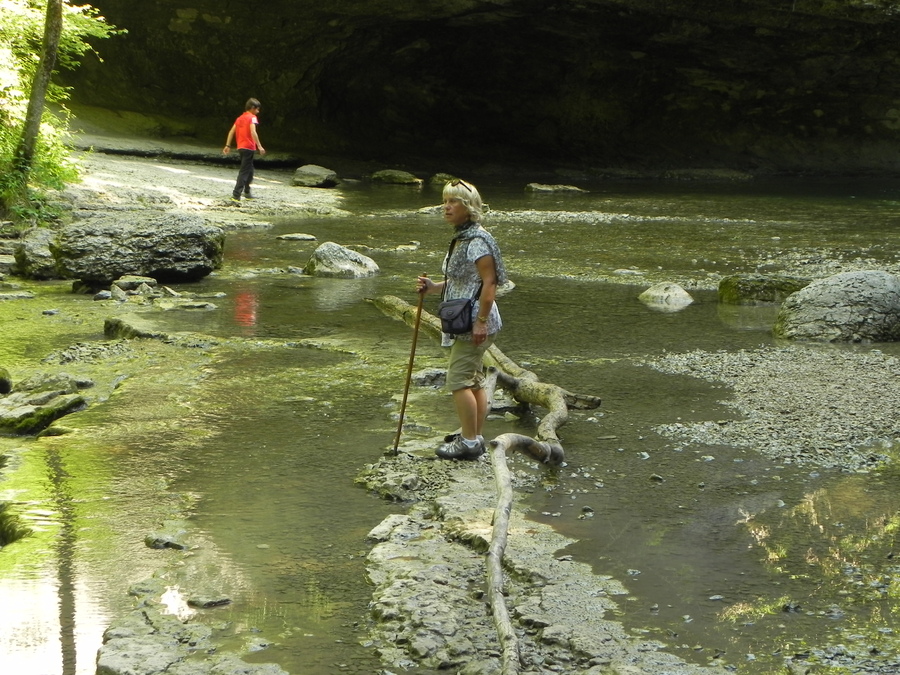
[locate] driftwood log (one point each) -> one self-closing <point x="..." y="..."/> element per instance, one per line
<point x="510" y="656"/>
<point x="524" y="387"/>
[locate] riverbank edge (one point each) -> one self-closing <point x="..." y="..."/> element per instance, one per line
<point x="99" y="141"/>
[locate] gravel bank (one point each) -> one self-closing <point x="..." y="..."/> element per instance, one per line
<point x="807" y="404"/>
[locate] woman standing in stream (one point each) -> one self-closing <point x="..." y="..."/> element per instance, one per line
<point x="473" y="268"/>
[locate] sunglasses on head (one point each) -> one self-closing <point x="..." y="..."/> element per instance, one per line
<point x="460" y="182"/>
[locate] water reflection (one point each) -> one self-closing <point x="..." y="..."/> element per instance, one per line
<point x="63" y="499"/>
<point x="335" y="294"/>
<point x="246" y="306"/>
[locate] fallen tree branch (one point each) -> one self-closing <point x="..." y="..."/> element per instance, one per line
<point x="522" y="384"/>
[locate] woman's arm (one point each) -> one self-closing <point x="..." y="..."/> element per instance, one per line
<point x="488" y="273"/>
<point x="426" y="285"/>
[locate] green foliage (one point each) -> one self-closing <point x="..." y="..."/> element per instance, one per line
<point x="21" y="35"/>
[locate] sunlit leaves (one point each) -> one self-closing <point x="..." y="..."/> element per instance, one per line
<point x="21" y="35"/>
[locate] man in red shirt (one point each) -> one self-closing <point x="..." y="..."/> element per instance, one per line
<point x="244" y="129"/>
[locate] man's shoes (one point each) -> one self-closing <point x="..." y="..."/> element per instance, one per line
<point x="235" y="201"/>
<point x="459" y="449"/>
<point x="248" y="195"/>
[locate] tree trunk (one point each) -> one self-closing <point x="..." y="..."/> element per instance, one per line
<point x="39" y="86"/>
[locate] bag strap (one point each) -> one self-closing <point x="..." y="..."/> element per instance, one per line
<point x="477" y="293"/>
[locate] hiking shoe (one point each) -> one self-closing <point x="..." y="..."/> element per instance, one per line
<point x="247" y="195"/>
<point x="235" y="201"/>
<point x="459" y="449"/>
<point x="449" y="438"/>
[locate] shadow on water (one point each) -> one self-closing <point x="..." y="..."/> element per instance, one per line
<point x="722" y="550"/>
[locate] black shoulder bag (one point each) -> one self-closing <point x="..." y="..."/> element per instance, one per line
<point x="456" y="315"/>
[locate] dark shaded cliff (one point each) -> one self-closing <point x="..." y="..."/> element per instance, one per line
<point x="766" y="85"/>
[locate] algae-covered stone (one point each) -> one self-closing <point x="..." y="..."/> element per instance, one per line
<point x="29" y="418"/>
<point x="5" y="381"/>
<point x="171" y="535"/>
<point x="395" y="177"/>
<point x="753" y="289"/>
<point x="441" y="179"/>
<point x="130" y="282"/>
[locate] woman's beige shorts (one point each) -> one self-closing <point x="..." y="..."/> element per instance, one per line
<point x="466" y="369"/>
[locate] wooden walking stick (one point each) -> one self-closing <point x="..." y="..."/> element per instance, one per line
<point x="412" y="358"/>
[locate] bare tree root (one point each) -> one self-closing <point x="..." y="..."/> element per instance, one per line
<point x="510" y="657"/>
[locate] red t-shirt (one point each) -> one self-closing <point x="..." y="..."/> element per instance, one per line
<point x="242" y="131"/>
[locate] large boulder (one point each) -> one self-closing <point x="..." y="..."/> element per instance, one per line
<point x="755" y="289"/>
<point x="167" y="246"/>
<point x="33" y="257"/>
<point x="848" y="307"/>
<point x="334" y="260"/>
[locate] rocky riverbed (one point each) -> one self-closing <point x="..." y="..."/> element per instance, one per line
<point x="795" y="404"/>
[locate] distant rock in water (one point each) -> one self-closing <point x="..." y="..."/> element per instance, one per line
<point x="296" y="236"/>
<point x="313" y="175"/>
<point x="334" y="260"/>
<point x="667" y="297"/>
<point x="396" y="177"/>
<point x="754" y="289"/>
<point x="847" y="307"/>
<point x="541" y="187"/>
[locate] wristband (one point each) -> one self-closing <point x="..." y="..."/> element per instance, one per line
<point x="483" y="319"/>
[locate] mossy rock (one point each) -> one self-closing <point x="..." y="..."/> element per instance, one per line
<point x="441" y="179"/>
<point x="30" y="419"/>
<point x="5" y="381"/>
<point x="756" y="289"/>
<point x="395" y="177"/>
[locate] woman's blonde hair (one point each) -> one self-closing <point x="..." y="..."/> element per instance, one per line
<point x="468" y="195"/>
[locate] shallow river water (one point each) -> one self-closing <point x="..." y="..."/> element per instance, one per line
<point x="722" y="550"/>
